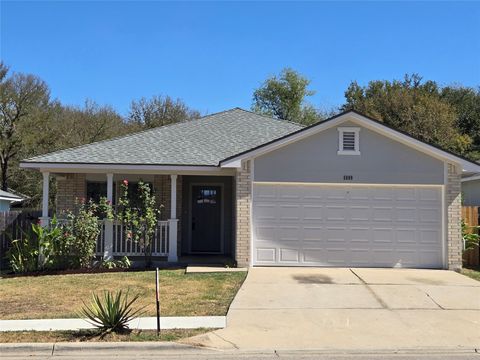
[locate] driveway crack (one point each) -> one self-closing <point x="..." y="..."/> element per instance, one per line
<point x="382" y="303"/>
<point x="433" y="300"/>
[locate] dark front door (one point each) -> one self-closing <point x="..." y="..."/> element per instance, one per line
<point x="206" y="219"/>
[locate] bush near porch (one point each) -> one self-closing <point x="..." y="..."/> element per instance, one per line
<point x="60" y="296"/>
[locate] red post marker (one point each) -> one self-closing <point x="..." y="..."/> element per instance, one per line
<point x="157" y="294"/>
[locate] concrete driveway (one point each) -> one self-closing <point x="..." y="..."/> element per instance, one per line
<point x="351" y="309"/>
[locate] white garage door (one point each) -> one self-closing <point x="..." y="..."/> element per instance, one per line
<point x="369" y="226"/>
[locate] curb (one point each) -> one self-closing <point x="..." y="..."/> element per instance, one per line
<point x="66" y="348"/>
<point x="98" y="347"/>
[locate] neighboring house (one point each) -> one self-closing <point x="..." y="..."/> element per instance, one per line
<point x="471" y="190"/>
<point x="6" y="199"/>
<point x="348" y="191"/>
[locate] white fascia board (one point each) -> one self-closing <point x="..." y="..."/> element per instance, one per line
<point x="234" y="164"/>
<point x="117" y="168"/>
<point x="10" y="199"/>
<point x="471" y="178"/>
<point x="418" y="145"/>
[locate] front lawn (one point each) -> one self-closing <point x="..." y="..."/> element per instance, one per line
<point x="473" y="273"/>
<point x="92" y="335"/>
<point x="60" y="296"/>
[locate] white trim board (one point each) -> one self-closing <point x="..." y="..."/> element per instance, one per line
<point x="127" y="168"/>
<point x="342" y="184"/>
<point x="368" y="124"/>
<point x="471" y="178"/>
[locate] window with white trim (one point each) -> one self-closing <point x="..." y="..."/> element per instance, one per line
<point x="348" y="141"/>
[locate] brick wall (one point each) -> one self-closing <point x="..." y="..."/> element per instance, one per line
<point x="69" y="191"/>
<point x="454" y="214"/>
<point x="243" y="200"/>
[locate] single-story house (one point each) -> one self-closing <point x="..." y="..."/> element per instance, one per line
<point x="347" y="191"/>
<point x="8" y="198"/>
<point x="471" y="190"/>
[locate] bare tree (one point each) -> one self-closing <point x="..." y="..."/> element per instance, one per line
<point x="19" y="95"/>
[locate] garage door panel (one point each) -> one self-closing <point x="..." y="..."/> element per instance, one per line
<point x="382" y="214"/>
<point x="265" y="211"/>
<point x="429" y="215"/>
<point x="312" y="212"/>
<point x="347" y="226"/>
<point x="383" y="235"/>
<point x="313" y="233"/>
<point x="336" y="256"/>
<point x="429" y="195"/>
<point x="266" y="255"/>
<point x="289" y="255"/>
<point x="289" y="233"/>
<point x="336" y="213"/>
<point x="407" y="236"/>
<point x="429" y="236"/>
<point x="360" y="213"/>
<point x="314" y="256"/>
<point x="406" y="214"/>
<point x="406" y="194"/>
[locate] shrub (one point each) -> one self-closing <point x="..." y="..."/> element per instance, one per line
<point x="23" y="254"/>
<point x="123" y="263"/>
<point x="112" y="312"/>
<point x="141" y="220"/>
<point x="48" y="239"/>
<point x="81" y="232"/>
<point x="471" y="239"/>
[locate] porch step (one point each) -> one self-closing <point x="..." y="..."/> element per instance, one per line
<point x="192" y="269"/>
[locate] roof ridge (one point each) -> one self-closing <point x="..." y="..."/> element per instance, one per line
<point x="126" y="136"/>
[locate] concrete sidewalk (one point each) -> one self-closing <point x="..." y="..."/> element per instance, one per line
<point x="328" y="309"/>
<point x="142" y="323"/>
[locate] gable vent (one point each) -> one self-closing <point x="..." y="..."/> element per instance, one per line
<point x="347" y="177"/>
<point x="349" y="141"/>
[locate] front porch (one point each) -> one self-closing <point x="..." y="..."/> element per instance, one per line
<point x="196" y="214"/>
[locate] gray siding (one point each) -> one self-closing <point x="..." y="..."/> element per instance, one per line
<point x="4" y="205"/>
<point x="471" y="193"/>
<point x="382" y="160"/>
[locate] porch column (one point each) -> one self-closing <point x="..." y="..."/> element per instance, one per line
<point x="108" y="245"/>
<point x="44" y="220"/>
<point x="173" y="221"/>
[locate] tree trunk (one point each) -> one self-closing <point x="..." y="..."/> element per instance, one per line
<point x="4" y="169"/>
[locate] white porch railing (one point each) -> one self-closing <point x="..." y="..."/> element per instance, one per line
<point x="124" y="246"/>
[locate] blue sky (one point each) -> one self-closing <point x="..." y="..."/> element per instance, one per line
<point x="214" y="54"/>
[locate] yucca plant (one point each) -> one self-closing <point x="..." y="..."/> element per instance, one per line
<point x="111" y="312"/>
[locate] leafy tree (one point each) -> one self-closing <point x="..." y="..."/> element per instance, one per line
<point x="467" y="105"/>
<point x="412" y="106"/>
<point x="20" y="96"/>
<point x="159" y="111"/>
<point x="284" y="97"/>
<point x="83" y="125"/>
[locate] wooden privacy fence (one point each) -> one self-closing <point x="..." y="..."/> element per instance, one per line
<point x="14" y="225"/>
<point x="470" y="216"/>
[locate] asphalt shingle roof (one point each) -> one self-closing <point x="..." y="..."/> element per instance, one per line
<point x="205" y="141"/>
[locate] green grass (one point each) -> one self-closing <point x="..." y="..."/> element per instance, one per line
<point x="473" y="273"/>
<point x="92" y="335"/>
<point x="60" y="296"/>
